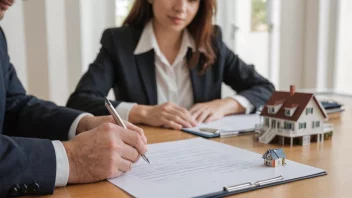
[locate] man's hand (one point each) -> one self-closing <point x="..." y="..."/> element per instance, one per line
<point x="104" y="152"/>
<point x="216" y="109"/>
<point x="89" y="122"/>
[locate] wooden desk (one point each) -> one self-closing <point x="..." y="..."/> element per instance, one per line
<point x="332" y="155"/>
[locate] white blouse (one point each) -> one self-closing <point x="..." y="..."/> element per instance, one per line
<point x="173" y="80"/>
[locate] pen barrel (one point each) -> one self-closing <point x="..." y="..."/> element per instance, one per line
<point x="115" y="115"/>
<point x="119" y="121"/>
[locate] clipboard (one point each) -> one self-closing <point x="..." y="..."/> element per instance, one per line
<point x="241" y="124"/>
<point x="201" y="134"/>
<point x="216" y="135"/>
<point x="245" y="187"/>
<point x="242" y="175"/>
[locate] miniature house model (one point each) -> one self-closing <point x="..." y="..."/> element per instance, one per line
<point x="274" y="157"/>
<point x="292" y="115"/>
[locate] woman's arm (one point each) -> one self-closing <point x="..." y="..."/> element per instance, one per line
<point x="96" y="83"/>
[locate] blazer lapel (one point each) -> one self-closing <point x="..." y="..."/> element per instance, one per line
<point x="146" y="66"/>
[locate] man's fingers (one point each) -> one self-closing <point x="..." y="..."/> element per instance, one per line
<point x="140" y="131"/>
<point x="115" y="173"/>
<point x="123" y="164"/>
<point x="133" y="139"/>
<point x="129" y="153"/>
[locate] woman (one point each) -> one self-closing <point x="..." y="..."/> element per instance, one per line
<point x="166" y="66"/>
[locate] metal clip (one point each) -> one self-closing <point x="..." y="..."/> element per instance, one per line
<point x="238" y="187"/>
<point x="268" y="181"/>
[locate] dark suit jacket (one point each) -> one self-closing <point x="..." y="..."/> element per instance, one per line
<point x="133" y="76"/>
<point x="29" y="158"/>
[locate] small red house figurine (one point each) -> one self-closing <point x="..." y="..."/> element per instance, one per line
<point x="274" y="157"/>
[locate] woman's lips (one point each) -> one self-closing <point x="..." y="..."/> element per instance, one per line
<point x="177" y="20"/>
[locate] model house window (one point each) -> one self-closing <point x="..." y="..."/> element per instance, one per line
<point x="287" y="112"/>
<point x="302" y="125"/>
<point x="267" y="121"/>
<point x="273" y="124"/>
<point x="317" y="124"/>
<point x="271" y="110"/>
<point x="288" y="125"/>
<point x="309" y="111"/>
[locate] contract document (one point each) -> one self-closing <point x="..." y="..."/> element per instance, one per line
<point x="196" y="167"/>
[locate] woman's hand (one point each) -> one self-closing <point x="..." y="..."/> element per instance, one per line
<point x="167" y="114"/>
<point x="216" y="109"/>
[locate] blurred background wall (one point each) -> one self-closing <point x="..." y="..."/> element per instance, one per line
<point x="301" y="42"/>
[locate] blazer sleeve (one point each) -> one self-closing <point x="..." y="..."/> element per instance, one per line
<point x="96" y="83"/>
<point x="25" y="161"/>
<point x="26" y="164"/>
<point x="27" y="116"/>
<point x="243" y="78"/>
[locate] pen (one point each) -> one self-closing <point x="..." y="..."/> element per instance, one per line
<point x="119" y="121"/>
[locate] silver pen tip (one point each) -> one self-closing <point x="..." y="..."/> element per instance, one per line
<point x="146" y="159"/>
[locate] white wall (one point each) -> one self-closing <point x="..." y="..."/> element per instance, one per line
<point x="293" y="16"/>
<point x="57" y="46"/>
<point x="311" y="45"/>
<point x="13" y="26"/>
<point x="252" y="47"/>
<point x="344" y="48"/>
<point x="320" y="44"/>
<point x="74" y="42"/>
<point x="52" y="42"/>
<point x="36" y="47"/>
<point x="95" y="17"/>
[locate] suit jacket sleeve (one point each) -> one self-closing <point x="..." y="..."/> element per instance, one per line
<point x="97" y="81"/>
<point x="243" y="78"/>
<point x="27" y="116"/>
<point x="27" y="160"/>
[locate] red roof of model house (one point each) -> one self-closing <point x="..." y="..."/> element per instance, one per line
<point x="290" y="100"/>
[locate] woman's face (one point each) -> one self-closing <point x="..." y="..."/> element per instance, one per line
<point x="175" y="15"/>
